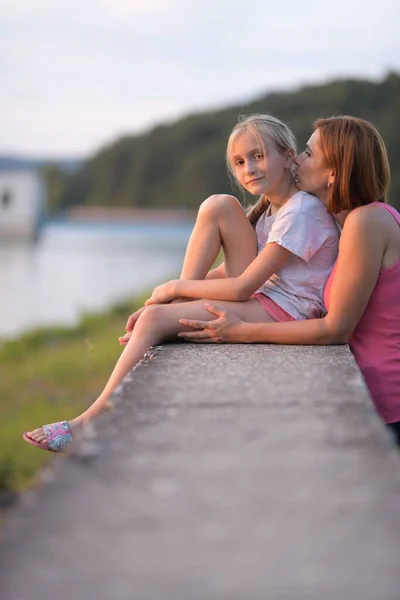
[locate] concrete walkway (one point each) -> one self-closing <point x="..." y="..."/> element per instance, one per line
<point x="223" y="473"/>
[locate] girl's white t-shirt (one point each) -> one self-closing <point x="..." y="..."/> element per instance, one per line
<point x="305" y="228"/>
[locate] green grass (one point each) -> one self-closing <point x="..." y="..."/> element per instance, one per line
<point x="48" y="375"/>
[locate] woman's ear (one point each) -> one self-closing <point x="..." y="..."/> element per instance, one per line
<point x="331" y="177"/>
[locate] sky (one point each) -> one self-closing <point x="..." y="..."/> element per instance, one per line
<point x="78" y="74"/>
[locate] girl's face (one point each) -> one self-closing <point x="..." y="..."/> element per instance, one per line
<point x="311" y="174"/>
<point x="257" y="170"/>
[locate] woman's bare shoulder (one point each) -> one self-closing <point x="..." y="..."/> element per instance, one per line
<point x="372" y="221"/>
<point x="367" y="215"/>
<point x="377" y="227"/>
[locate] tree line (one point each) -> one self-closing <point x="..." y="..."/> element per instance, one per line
<point x="179" y="164"/>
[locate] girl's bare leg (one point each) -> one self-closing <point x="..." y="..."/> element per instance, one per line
<point x="221" y="223"/>
<point x="156" y="324"/>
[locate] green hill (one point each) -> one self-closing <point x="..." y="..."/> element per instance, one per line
<point x="180" y="164"/>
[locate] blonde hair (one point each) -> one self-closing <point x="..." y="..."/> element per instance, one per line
<point x="265" y="128"/>
<point x="356" y="152"/>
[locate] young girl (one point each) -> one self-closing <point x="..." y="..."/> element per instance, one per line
<point x="275" y="262"/>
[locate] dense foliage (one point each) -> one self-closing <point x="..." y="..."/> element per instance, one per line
<point x="180" y="164"/>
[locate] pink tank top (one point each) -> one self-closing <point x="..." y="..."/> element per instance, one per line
<point x="375" y="342"/>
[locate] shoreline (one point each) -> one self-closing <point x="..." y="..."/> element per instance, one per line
<point x="133" y="215"/>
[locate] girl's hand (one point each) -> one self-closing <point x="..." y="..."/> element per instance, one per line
<point x="227" y="328"/>
<point x="124" y="339"/>
<point x="131" y="322"/>
<point x="164" y="293"/>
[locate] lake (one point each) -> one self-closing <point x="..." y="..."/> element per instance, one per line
<point x="79" y="267"/>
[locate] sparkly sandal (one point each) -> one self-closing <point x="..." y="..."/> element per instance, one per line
<point x="59" y="436"/>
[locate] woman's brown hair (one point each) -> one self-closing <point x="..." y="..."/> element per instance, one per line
<point x="356" y="152"/>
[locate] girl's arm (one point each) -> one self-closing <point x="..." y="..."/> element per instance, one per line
<point x="361" y="250"/>
<point x="237" y="289"/>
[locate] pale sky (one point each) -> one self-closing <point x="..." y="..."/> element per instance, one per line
<point x="76" y="75"/>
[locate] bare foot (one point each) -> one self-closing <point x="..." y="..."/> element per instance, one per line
<point x="38" y="435"/>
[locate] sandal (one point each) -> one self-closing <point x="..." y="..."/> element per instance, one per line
<point x="59" y="436"/>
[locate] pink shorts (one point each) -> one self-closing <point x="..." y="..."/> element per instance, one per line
<point x="272" y="308"/>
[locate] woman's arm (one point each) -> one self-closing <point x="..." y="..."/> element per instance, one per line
<point x="229" y="328"/>
<point x="361" y="250"/>
<point x="237" y="289"/>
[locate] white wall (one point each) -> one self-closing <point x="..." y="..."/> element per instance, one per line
<point x="20" y="214"/>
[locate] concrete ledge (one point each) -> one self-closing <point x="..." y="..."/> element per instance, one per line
<point x="224" y="472"/>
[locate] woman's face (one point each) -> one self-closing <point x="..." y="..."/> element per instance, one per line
<point x="311" y="173"/>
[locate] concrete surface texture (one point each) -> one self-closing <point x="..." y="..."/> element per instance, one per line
<point x="225" y="472"/>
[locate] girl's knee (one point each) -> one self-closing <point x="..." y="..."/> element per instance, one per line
<point x="152" y="314"/>
<point x="218" y="204"/>
<point x="159" y="321"/>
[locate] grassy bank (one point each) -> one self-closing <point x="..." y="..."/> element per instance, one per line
<point x="48" y="375"/>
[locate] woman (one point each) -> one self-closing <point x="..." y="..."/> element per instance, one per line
<point x="345" y="164"/>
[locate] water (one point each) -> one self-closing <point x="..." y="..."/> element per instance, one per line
<point x="80" y="267"/>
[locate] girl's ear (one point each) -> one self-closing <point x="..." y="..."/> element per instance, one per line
<point x="290" y="156"/>
<point x="331" y="177"/>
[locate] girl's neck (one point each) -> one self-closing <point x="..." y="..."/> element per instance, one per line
<point x="277" y="200"/>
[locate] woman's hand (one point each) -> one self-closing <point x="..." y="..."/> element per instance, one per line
<point x="163" y="294"/>
<point x="226" y="329"/>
